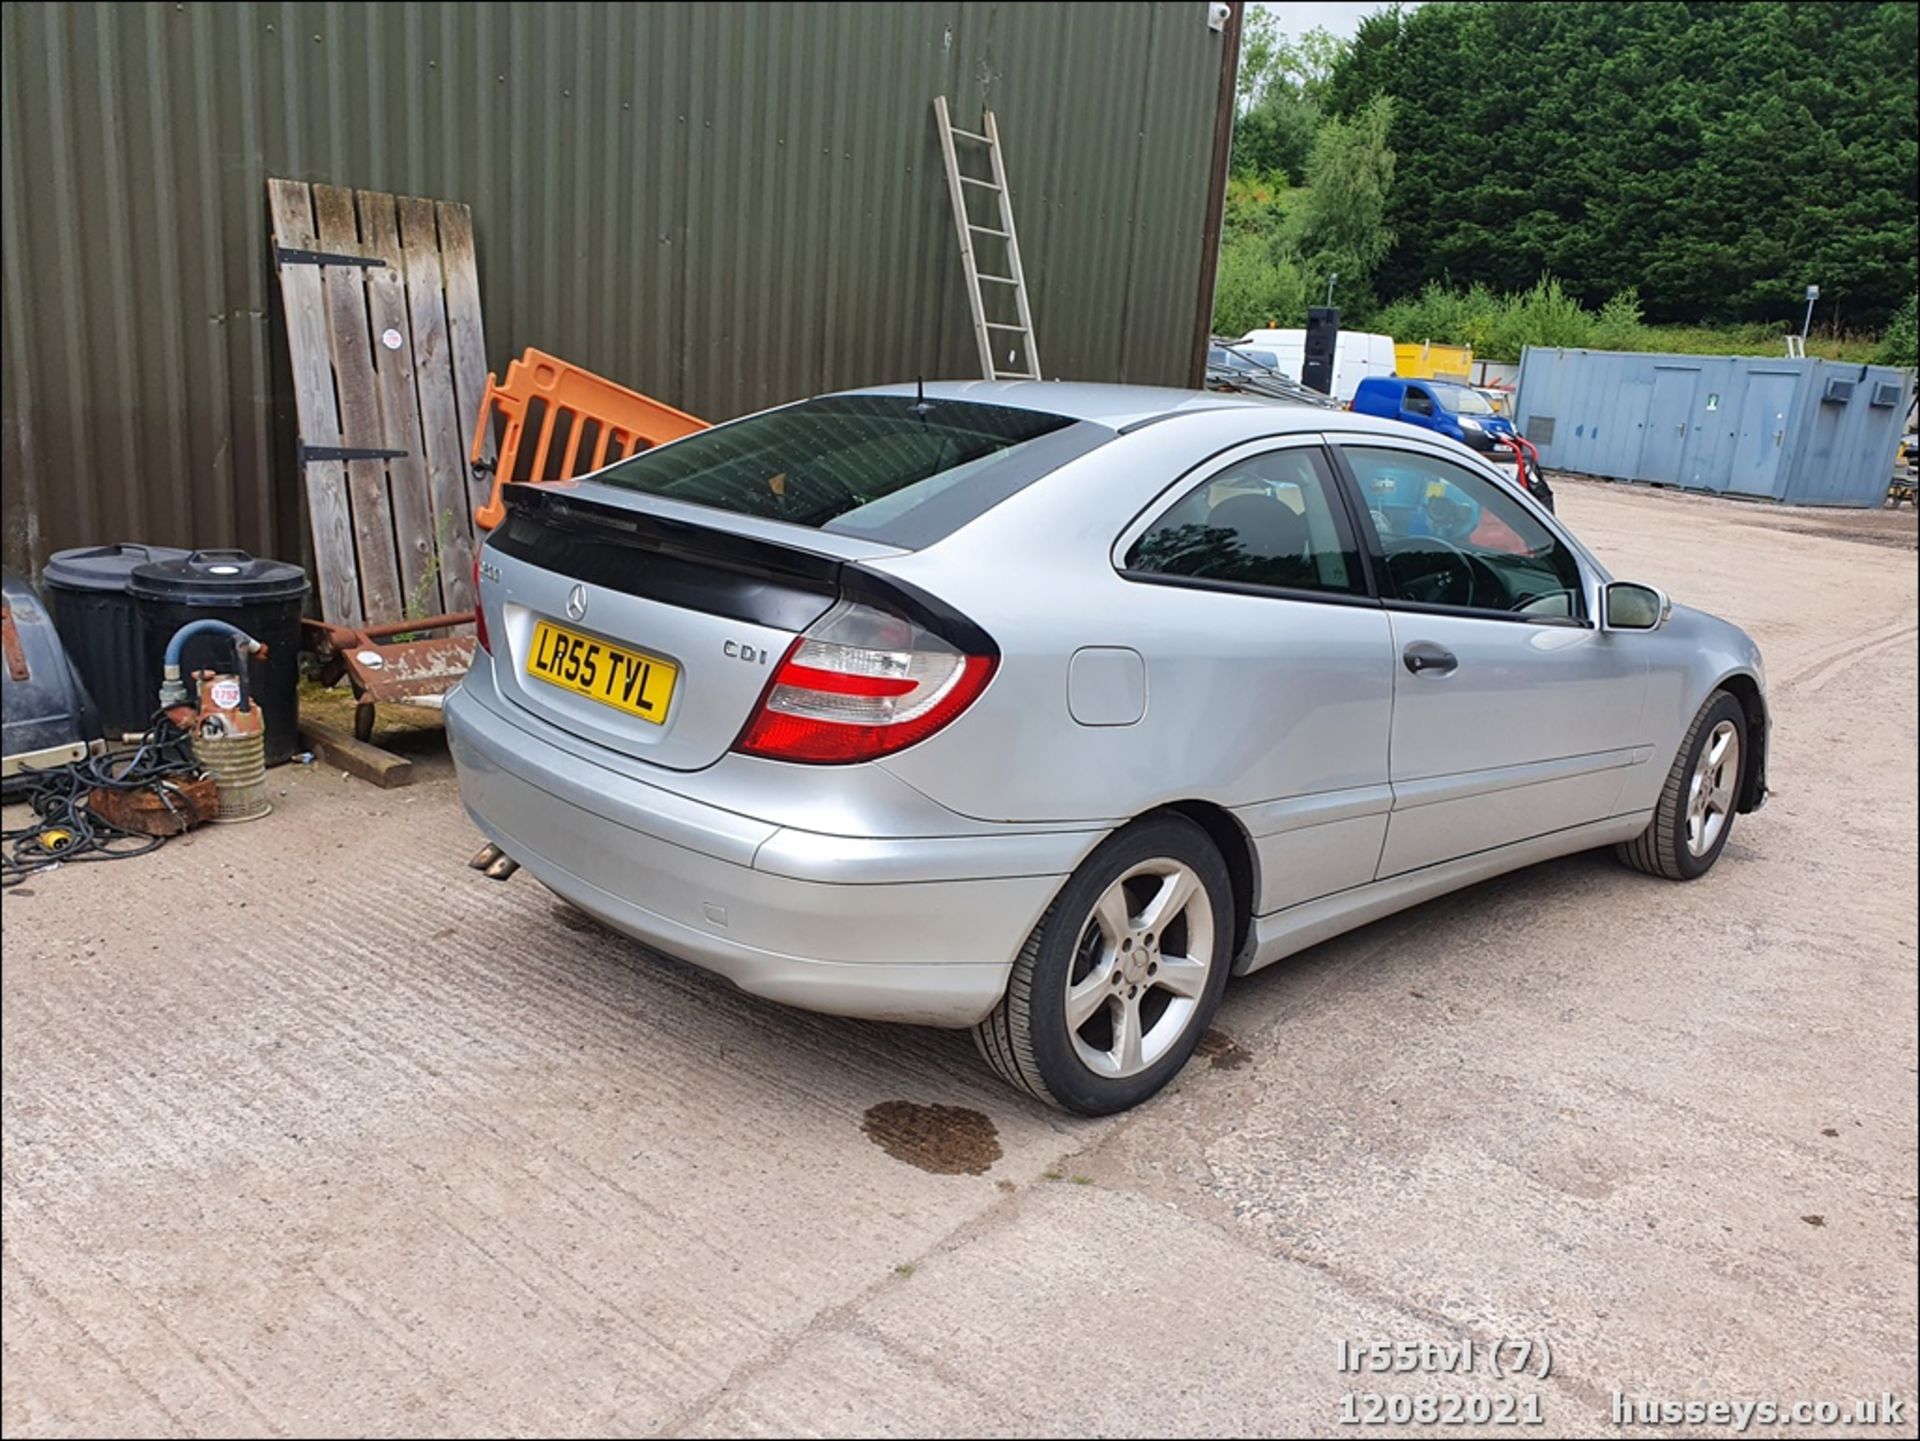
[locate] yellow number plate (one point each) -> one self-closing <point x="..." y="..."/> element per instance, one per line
<point x="640" y="685"/>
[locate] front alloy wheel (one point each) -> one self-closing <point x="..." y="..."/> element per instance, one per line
<point x="1712" y="792"/>
<point x="1694" y="814"/>
<point x="1121" y="977"/>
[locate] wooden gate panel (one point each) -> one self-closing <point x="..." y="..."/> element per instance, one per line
<point x="385" y="356"/>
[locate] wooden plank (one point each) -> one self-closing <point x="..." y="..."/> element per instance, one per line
<point x="357" y="757"/>
<point x="467" y="334"/>
<point x="400" y="412"/>
<point x="359" y="400"/>
<point x="307" y="350"/>
<point x="445" y="447"/>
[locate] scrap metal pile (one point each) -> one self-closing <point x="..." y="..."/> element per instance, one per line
<point x="108" y="807"/>
<point x="202" y="758"/>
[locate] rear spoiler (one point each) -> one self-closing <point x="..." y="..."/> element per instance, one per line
<point x="708" y="568"/>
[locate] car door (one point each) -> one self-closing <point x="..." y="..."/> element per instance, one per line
<point x="1514" y="714"/>
<point x="1417" y="408"/>
<point x="1271" y="662"/>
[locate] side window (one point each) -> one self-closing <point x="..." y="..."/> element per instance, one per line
<point x="1418" y="402"/>
<point x="1269" y="520"/>
<point x="1452" y="537"/>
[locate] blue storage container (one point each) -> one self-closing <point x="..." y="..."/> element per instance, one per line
<point x="1805" y="432"/>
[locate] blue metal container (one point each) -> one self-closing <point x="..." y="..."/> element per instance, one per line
<point x="1805" y="432"/>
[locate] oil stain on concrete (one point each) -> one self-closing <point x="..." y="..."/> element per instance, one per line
<point x="942" y="1140"/>
<point x="1220" y="1048"/>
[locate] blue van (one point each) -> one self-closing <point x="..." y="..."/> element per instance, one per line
<point x="1454" y="410"/>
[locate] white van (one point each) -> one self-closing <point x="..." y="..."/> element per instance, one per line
<point x="1356" y="355"/>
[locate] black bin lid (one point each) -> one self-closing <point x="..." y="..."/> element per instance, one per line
<point x="218" y="578"/>
<point x="104" y="567"/>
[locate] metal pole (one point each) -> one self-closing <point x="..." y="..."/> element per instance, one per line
<point x="1336" y="275"/>
<point x="1813" y="294"/>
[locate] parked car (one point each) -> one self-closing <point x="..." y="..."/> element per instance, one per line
<point x="1038" y="708"/>
<point x="1231" y="355"/>
<point x="1501" y="400"/>
<point x="1458" y="412"/>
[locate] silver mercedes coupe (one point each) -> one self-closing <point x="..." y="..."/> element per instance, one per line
<point x="1038" y="708"/>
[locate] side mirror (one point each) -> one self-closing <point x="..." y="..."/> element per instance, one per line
<point x="1635" y="607"/>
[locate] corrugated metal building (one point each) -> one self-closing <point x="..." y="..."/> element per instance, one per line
<point x="725" y="206"/>
<point x="1807" y="432"/>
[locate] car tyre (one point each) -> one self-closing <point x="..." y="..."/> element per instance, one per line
<point x="1120" y="952"/>
<point x="1701" y="796"/>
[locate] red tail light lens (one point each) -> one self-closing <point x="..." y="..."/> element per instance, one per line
<point x="480" y="612"/>
<point x="862" y="683"/>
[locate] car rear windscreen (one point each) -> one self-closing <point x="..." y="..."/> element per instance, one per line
<point x="889" y="468"/>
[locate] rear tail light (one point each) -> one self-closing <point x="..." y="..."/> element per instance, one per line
<point x="862" y="683"/>
<point x="480" y="612"/>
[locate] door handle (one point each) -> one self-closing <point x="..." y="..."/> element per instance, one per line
<point x="1424" y="655"/>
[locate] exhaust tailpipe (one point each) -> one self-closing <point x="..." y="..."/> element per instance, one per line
<point x="494" y="863"/>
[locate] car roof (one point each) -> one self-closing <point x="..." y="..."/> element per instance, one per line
<point x="1117" y="406"/>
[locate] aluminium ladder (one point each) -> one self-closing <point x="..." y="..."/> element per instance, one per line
<point x="1007" y="349"/>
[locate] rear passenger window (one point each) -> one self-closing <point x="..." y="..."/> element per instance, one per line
<point x="1271" y="520"/>
<point x="891" y="468"/>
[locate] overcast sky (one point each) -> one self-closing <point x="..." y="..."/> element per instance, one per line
<point x="1342" y="17"/>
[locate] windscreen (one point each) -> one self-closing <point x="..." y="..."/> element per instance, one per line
<point x="889" y="468"/>
<point x="1463" y="400"/>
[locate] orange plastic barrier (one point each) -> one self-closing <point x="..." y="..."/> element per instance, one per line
<point x="625" y="421"/>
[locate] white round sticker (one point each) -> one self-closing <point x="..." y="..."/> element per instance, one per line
<point x="226" y="694"/>
<point x="390" y="338"/>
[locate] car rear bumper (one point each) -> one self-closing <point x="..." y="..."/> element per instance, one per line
<point x="917" y="929"/>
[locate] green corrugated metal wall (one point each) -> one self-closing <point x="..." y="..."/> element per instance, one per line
<point x="723" y="205"/>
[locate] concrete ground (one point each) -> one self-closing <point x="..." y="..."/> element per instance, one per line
<point x="309" y="1129"/>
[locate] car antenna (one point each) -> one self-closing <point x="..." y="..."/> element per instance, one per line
<point x="920" y="406"/>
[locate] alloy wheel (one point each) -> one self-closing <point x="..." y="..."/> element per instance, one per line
<point x="1140" y="968"/>
<point x="1710" y="791"/>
